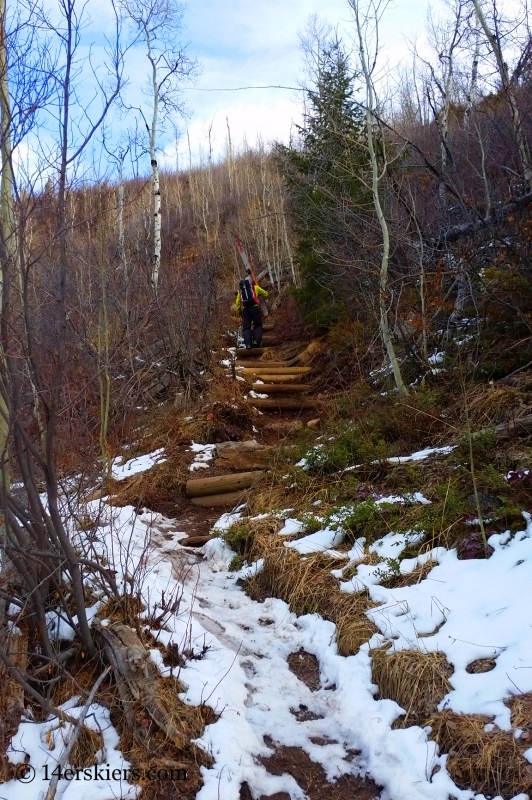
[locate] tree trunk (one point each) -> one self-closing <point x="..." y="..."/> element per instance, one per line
<point x="517" y="122"/>
<point x="7" y="257"/>
<point x="156" y="190"/>
<point x="375" y="180"/>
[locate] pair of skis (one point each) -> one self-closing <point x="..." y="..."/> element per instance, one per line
<point x="248" y="267"/>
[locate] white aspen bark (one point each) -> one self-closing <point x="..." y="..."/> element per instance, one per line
<point x="444" y="127"/>
<point x="288" y="248"/>
<point x="517" y="123"/>
<point x="7" y="245"/>
<point x="471" y="96"/>
<point x="156" y="189"/>
<point x="230" y="165"/>
<point x="443" y="117"/>
<point x="375" y="179"/>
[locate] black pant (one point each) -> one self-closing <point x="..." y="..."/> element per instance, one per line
<point x="251" y="316"/>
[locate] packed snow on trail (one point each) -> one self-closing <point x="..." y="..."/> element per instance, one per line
<point x="474" y="609"/>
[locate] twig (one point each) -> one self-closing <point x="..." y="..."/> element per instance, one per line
<point x="50" y="794"/>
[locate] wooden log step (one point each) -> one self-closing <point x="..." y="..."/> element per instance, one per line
<point x="262" y="364"/>
<point x="255" y="459"/>
<point x="242" y="455"/>
<point x="246" y="446"/>
<point x="253" y="351"/>
<point x="282" y="404"/>
<point x="276" y="370"/>
<point x="202" y="487"/>
<point x="267" y="378"/>
<point x="225" y="500"/>
<point x="268" y="326"/>
<point x="281" y="388"/>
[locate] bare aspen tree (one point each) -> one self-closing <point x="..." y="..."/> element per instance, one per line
<point x="508" y="82"/>
<point x="7" y="223"/>
<point x="38" y="541"/>
<point x="157" y="23"/>
<point x="446" y="40"/>
<point x="363" y="21"/>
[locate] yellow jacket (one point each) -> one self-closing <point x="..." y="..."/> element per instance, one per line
<point x="258" y="291"/>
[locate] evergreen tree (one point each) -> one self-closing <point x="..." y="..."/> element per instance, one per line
<point x="323" y="171"/>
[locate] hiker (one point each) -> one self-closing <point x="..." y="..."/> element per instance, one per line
<point x="248" y="305"/>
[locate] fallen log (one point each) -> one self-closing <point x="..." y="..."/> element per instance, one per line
<point x="282" y="404"/>
<point x="507" y="430"/>
<point x="288" y="388"/>
<point x="137" y="678"/>
<point x="225" y="500"/>
<point x="202" y="487"/>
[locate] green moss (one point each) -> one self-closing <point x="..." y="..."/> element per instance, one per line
<point x="484" y="446"/>
<point x="362" y="519"/>
<point x="237" y="562"/>
<point x="345" y="447"/>
<point x="238" y="537"/>
<point x="311" y="522"/>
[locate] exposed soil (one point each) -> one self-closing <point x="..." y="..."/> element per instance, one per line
<point x="305" y="666"/>
<point x="303" y="713"/>
<point x="311" y="777"/>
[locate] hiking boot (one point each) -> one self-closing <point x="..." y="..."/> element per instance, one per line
<point x="257" y="344"/>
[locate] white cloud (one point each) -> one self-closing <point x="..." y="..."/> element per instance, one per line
<point x="257" y="44"/>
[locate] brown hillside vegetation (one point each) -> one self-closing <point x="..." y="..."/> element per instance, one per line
<point x="395" y="243"/>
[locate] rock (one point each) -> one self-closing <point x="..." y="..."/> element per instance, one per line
<point x="195" y="541"/>
<point x="313" y="423"/>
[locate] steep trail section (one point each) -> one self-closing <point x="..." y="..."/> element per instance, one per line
<point x="275" y="386"/>
<point x="297" y="721"/>
<point x="283" y="733"/>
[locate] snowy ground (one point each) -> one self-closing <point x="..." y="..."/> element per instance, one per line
<point x="475" y="608"/>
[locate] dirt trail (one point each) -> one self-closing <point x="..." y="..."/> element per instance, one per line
<point x="303" y="734"/>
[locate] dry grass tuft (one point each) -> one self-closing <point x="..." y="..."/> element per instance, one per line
<point x="79" y="680"/>
<point x="490" y="405"/>
<point x="418" y="574"/>
<point x="521" y="709"/>
<point x="265" y="536"/>
<point x="146" y="747"/>
<point x="162" y="484"/>
<point x="416" y="681"/>
<point x="84" y="752"/>
<point x="487" y="762"/>
<point x="124" y="609"/>
<point x="307" y="585"/>
<point x="353" y="627"/>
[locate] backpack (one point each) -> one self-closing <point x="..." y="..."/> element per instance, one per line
<point x="247" y="293"/>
